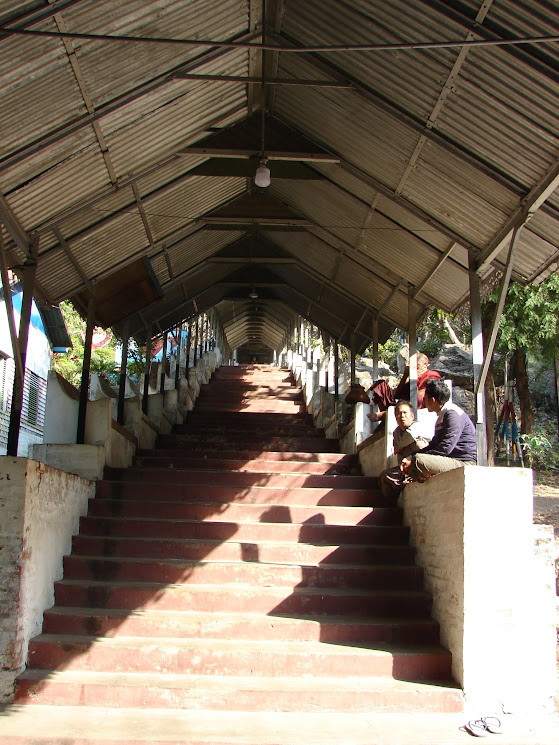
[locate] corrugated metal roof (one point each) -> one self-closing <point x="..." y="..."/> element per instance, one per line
<point x="438" y="149"/>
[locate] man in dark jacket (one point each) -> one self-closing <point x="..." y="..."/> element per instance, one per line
<point x="454" y="442"/>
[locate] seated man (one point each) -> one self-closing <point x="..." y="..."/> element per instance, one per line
<point x="454" y="442"/>
<point x="408" y="439"/>
<point x="383" y="396"/>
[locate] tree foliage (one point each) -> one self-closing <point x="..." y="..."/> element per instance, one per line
<point x="530" y="319"/>
<point x="69" y="365"/>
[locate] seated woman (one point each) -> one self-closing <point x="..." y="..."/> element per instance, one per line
<point x="383" y="396"/>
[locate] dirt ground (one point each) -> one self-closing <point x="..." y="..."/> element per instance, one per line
<point x="546" y="499"/>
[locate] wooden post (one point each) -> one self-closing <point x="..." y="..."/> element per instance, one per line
<point x="477" y="359"/>
<point x="196" y="342"/>
<point x="412" y="343"/>
<point x="20" y="350"/>
<point x="84" y="387"/>
<point x="188" y="345"/>
<point x="147" y="370"/>
<point x="163" y="363"/>
<point x="503" y="289"/>
<point x="122" y="381"/>
<point x="178" y="366"/>
<point x="375" y="348"/>
<point x="352" y="358"/>
<point x="326" y="360"/>
<point x="336" y="371"/>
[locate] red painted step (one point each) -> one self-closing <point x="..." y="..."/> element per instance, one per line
<point x="253" y="574"/>
<point x="239" y="478"/>
<point x="232" y="693"/>
<point x="212" y="462"/>
<point x="316" y="533"/>
<point x="242" y="564"/>
<point x="231" y="550"/>
<point x="237" y="657"/>
<point x="242" y="599"/>
<point x="248" y="495"/>
<point x="264" y="513"/>
<point x="115" y="622"/>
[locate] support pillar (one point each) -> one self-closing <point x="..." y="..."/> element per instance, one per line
<point x="412" y="343"/>
<point x="477" y="359"/>
<point x="20" y="350"/>
<point x="146" y="371"/>
<point x="178" y="365"/>
<point x="336" y="370"/>
<point x="196" y="342"/>
<point x="503" y="289"/>
<point x="375" y="349"/>
<point x="84" y="387"/>
<point x="122" y="381"/>
<point x="163" y="363"/>
<point x="352" y="359"/>
<point x="188" y="346"/>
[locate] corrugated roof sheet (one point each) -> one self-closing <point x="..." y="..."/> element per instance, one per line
<point x="437" y="150"/>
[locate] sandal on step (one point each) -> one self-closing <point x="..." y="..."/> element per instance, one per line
<point x="492" y="724"/>
<point x="476" y="727"/>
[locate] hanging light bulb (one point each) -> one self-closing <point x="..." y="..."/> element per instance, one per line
<point x="253" y="294"/>
<point x="262" y="175"/>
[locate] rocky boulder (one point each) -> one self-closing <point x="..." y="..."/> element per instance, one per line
<point x="454" y="363"/>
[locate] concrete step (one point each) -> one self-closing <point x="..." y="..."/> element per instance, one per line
<point x="244" y="478"/>
<point x="264" y="444"/>
<point x="91" y="725"/>
<point x="211" y="462"/>
<point x="253" y="574"/>
<point x="242" y="599"/>
<point x="229" y="394"/>
<point x="152" y="624"/>
<point x="249" y="495"/>
<point x="237" y="657"/>
<point x="342" y="459"/>
<point x="390" y="535"/>
<point x="233" y="692"/>
<point x="239" y="512"/>
<point x="249" y="405"/>
<point x="233" y="430"/>
<point x="231" y="550"/>
<point x="246" y="461"/>
<point x="248" y="418"/>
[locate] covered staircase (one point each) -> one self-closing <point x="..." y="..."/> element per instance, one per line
<point x="242" y="566"/>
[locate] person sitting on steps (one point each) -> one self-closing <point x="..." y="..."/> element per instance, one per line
<point x="454" y="442"/>
<point x="408" y="439"/>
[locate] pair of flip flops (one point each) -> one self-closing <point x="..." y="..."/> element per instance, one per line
<point x="481" y="727"/>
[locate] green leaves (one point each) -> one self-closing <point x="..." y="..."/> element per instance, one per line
<point x="69" y="365"/>
<point x="530" y="318"/>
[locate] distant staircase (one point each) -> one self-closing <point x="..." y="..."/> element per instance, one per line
<point x="243" y="565"/>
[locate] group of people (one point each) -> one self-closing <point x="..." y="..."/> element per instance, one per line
<point x="453" y="444"/>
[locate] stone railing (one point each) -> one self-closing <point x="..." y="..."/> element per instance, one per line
<point x="108" y="443"/>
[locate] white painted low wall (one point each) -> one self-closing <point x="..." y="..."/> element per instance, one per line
<point x="491" y="576"/>
<point x="106" y="443"/>
<point x="41" y="507"/>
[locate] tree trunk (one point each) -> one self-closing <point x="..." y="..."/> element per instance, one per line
<point x="452" y="333"/>
<point x="524" y="398"/>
